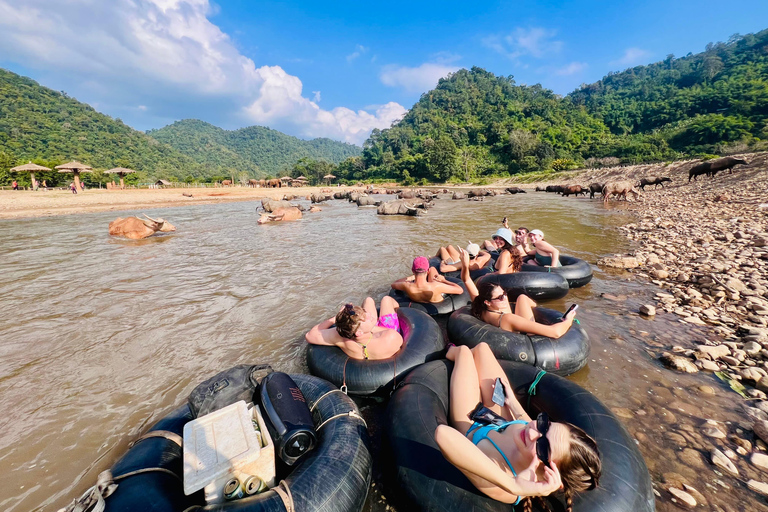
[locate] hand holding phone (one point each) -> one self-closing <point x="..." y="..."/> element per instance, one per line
<point x="573" y="307"/>
<point x="499" y="395"/>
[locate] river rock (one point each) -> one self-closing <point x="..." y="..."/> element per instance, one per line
<point x="683" y="497"/>
<point x="710" y="429"/>
<point x="720" y="460"/>
<point x="707" y="390"/>
<point x="678" y="363"/>
<point x="752" y="348"/>
<point x="759" y="460"/>
<point x="760" y="428"/>
<point x="758" y="487"/>
<point x="619" y="262"/>
<point x="691" y="458"/>
<point x="659" y="274"/>
<point x="735" y="284"/>
<point x="647" y="310"/>
<point x="751" y="375"/>
<point x="711" y="366"/>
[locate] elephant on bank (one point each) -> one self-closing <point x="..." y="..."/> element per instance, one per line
<point x="274" y="183"/>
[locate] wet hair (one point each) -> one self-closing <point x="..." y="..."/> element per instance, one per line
<point x="580" y="469"/>
<point x="517" y="260"/>
<point x="348" y="320"/>
<point x="484" y="293"/>
<point x="526" y="229"/>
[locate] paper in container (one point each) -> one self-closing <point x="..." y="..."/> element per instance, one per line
<point x="223" y="445"/>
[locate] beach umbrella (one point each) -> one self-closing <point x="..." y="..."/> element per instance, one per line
<point x="31" y="169"/>
<point x="76" y="168"/>
<point x="301" y="178"/>
<point x="329" y="177"/>
<point x="121" y="171"/>
<point x="285" y="178"/>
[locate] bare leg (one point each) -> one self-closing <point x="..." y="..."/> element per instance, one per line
<point x="455" y="256"/>
<point x="465" y="388"/>
<point x="369" y="305"/>
<point x="524" y="307"/>
<point x="488" y="370"/>
<point x="444" y="254"/>
<point x="388" y="306"/>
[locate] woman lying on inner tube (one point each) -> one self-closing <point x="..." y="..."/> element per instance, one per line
<point x="521" y="458"/>
<point x="544" y="254"/>
<point x="426" y="284"/>
<point x="450" y="258"/>
<point x="359" y="332"/>
<point x="491" y="305"/>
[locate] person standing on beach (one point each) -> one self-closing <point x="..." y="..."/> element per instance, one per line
<point x="15" y="185"/>
<point x="73" y="187"/>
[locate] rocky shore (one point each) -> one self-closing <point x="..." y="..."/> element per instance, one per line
<point x="705" y="245"/>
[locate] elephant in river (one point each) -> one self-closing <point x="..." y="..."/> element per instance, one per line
<point x="136" y="228"/>
<point x="403" y="207"/>
<point x="280" y="214"/>
<point x="270" y="205"/>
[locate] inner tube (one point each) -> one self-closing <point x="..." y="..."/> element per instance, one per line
<point x="445" y="307"/>
<point x="576" y="271"/>
<point x="473" y="274"/>
<point x="536" y="285"/>
<point x="333" y="477"/>
<point x="562" y="356"/>
<point x="431" y="483"/>
<point x="422" y="342"/>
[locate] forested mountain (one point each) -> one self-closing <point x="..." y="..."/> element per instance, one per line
<point x="46" y="126"/>
<point x="255" y="148"/>
<point x="475" y="123"/>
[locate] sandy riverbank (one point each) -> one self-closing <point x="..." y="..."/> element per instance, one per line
<point x="43" y="203"/>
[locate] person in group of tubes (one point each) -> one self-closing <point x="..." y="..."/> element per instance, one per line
<point x="543" y="253"/>
<point x="450" y="260"/>
<point x="520" y="459"/>
<point x="530" y="245"/>
<point x="359" y="332"/>
<point x="491" y="305"/>
<point x="426" y="284"/>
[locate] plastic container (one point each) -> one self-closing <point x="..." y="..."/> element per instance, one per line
<point x="224" y="445"/>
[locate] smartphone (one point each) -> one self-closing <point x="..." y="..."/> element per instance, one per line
<point x="573" y="307"/>
<point x="498" y="393"/>
<point x="485" y="416"/>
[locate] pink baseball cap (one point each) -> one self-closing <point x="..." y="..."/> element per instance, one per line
<point x="420" y="265"/>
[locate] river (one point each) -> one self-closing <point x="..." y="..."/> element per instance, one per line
<point x="100" y="337"/>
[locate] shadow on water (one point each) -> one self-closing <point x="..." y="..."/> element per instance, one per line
<point x="100" y="337"/>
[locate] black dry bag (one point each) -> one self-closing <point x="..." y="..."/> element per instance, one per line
<point x="287" y="416"/>
<point x="230" y="386"/>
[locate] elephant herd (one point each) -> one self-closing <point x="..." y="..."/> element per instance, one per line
<point x="272" y="183"/>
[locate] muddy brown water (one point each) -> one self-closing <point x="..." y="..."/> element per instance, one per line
<point x="101" y="337"/>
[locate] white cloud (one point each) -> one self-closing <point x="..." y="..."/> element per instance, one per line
<point x="359" y="50"/>
<point x="572" y="69"/>
<point x="534" y="41"/>
<point x="418" y="79"/>
<point x="169" y="57"/>
<point x="631" y="57"/>
<point x="316" y="96"/>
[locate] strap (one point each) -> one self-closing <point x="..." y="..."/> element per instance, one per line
<point x="532" y="387"/>
<point x="349" y="414"/>
<point x="284" y="492"/>
<point x="312" y="409"/>
<point x="344" y="378"/>
<point x="171" y="436"/>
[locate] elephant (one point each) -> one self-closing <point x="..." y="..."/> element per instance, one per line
<point x="595" y="188"/>
<point x="403" y="207"/>
<point x="136" y="228"/>
<point x="341" y="195"/>
<point x="290" y="213"/>
<point x="274" y="183"/>
<point x="262" y="183"/>
<point x="653" y="180"/>
<point x="319" y="198"/>
<point x="619" y="189"/>
<point x="253" y="183"/>
<point x="270" y="205"/>
<point x="365" y="200"/>
<point x="226" y="183"/>
<point x="458" y="195"/>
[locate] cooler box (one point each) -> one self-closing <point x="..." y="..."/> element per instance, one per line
<point x="223" y="445"/>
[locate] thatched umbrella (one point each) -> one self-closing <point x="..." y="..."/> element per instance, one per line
<point x="31" y="169"/>
<point x="76" y="168"/>
<point x="329" y="177"/>
<point x="122" y="171"/>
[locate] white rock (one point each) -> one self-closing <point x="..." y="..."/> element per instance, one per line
<point x="684" y="498"/>
<point x="760" y="460"/>
<point x="720" y="460"/>
<point x="647" y="310"/>
<point x="758" y="487"/>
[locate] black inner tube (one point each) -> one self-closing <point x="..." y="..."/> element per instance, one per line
<point x="445" y="307"/>
<point x="576" y="271"/>
<point x="430" y="483"/>
<point x="536" y="285"/>
<point x="422" y="342"/>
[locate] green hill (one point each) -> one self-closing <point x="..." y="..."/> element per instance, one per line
<point x="40" y="124"/>
<point x="475" y="123"/>
<point x="255" y="148"/>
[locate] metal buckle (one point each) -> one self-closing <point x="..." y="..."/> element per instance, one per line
<point x="344" y="388"/>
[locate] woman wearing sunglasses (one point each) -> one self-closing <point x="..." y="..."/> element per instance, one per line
<point x="520" y="458"/>
<point x="359" y="332"/>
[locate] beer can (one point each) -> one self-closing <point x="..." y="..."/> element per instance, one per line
<point x="233" y="490"/>
<point x="254" y="485"/>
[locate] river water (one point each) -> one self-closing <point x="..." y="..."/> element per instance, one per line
<point x="100" y="337"/>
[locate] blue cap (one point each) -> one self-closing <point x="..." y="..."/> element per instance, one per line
<point x="506" y="234"/>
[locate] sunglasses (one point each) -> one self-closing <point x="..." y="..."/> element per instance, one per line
<point x="542" y="443"/>
<point x="500" y="297"/>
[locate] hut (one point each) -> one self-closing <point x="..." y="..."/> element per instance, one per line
<point x="300" y="181"/>
<point x="31" y="169"/>
<point x="121" y="171"/>
<point x="162" y="183"/>
<point x="75" y="168"/>
<point x="328" y="178"/>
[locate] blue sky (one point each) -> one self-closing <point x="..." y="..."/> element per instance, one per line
<point x="335" y="69"/>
